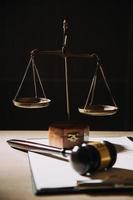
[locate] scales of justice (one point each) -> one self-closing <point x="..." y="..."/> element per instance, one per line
<point x="89" y="107"/>
<point x="68" y="134"/>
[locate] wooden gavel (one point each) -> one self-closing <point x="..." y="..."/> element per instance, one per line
<point x="86" y="158"/>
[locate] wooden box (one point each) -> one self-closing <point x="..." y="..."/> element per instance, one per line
<point x="67" y="134"/>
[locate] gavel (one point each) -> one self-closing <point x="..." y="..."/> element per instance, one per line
<point x="86" y="158"/>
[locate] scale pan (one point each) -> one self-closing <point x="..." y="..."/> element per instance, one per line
<point x="31" y="102"/>
<point x="98" y="110"/>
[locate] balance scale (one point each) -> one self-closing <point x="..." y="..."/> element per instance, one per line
<point x="89" y="108"/>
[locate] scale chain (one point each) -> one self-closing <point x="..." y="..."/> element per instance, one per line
<point x="39" y="79"/>
<point x="34" y="76"/>
<point x="92" y="89"/>
<point x="107" y="85"/>
<point x="23" y="79"/>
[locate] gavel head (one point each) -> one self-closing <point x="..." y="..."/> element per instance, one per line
<point x="93" y="156"/>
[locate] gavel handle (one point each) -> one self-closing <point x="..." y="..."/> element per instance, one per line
<point x="26" y="145"/>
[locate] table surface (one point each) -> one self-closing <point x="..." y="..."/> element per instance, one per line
<point x="15" y="175"/>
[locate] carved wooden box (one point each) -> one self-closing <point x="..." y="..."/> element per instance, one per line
<point x="67" y="134"/>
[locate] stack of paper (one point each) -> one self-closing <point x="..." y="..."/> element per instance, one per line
<point x="50" y="174"/>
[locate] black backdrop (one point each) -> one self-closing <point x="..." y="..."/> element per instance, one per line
<point x="104" y="27"/>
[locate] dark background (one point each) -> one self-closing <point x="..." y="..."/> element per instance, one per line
<point x="103" y="27"/>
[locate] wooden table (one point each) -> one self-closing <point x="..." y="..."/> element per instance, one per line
<point x="15" y="175"/>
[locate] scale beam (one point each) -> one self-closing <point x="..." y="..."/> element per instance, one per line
<point x="64" y="54"/>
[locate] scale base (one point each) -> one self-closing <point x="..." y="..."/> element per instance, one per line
<point x="67" y="134"/>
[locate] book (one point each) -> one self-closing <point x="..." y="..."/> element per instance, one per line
<point x="51" y="174"/>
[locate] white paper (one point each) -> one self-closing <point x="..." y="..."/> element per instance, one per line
<point x="51" y="173"/>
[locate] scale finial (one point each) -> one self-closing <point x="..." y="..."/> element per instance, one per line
<point x="65" y="28"/>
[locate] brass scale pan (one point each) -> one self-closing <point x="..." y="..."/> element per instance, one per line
<point x="93" y="110"/>
<point x="99" y="110"/>
<point x="31" y="102"/>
